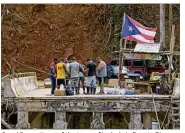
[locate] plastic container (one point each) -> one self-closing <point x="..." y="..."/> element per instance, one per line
<point x="157" y="89"/>
<point x="155" y="125"/>
<point x="122" y="91"/>
<point x="129" y="92"/>
<point x="61" y="87"/>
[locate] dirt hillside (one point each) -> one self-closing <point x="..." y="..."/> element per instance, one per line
<point x="34" y="34"/>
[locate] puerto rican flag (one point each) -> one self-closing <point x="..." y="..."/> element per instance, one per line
<point x="134" y="31"/>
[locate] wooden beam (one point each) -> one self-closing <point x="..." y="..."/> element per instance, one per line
<point x="160" y="53"/>
<point x="172" y="43"/>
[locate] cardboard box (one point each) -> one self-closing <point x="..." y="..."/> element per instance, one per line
<point x="130" y="86"/>
<point x="123" y="84"/>
<point x="59" y="93"/>
<point x="113" y="82"/>
<point x="137" y="91"/>
<point x="142" y="88"/>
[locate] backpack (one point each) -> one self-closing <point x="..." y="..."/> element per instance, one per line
<point x="69" y="91"/>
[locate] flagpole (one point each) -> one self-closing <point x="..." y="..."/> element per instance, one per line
<point x="121" y="53"/>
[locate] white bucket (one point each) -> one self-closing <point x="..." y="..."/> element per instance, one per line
<point x="155" y="125"/>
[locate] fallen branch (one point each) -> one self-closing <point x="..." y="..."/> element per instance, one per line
<point x="4" y="123"/>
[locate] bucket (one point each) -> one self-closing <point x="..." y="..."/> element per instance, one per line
<point x="155" y="125"/>
<point x="157" y="89"/>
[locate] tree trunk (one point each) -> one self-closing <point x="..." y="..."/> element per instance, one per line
<point x="170" y="20"/>
<point x="162" y="24"/>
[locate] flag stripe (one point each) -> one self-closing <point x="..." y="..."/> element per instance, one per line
<point x="140" y="25"/>
<point x="142" y="39"/>
<point x="138" y="38"/>
<point x="147" y="37"/>
<point x="147" y="32"/>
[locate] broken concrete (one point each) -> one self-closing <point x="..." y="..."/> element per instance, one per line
<point x="15" y="87"/>
<point x="96" y="105"/>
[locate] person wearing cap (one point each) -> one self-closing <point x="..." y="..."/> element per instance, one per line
<point x="52" y="75"/>
<point x="61" y="72"/>
<point x="101" y="72"/>
<point x="74" y="70"/>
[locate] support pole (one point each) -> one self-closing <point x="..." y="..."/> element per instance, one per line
<point x="121" y="58"/>
<point x="120" y="61"/>
<point x="121" y="53"/>
<point x="162" y="24"/>
<point x="172" y="44"/>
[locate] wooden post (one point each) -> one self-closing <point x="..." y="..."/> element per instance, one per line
<point x="121" y="54"/>
<point x="162" y="24"/>
<point x="120" y="62"/>
<point x="125" y="43"/>
<point x="172" y="43"/>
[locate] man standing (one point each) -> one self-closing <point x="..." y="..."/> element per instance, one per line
<point x="61" y="72"/>
<point x="101" y="71"/>
<point x="74" y="70"/>
<point x="91" y="77"/>
<point x="52" y="75"/>
<point x="82" y="77"/>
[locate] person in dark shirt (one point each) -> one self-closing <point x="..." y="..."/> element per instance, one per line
<point x="91" y="77"/>
<point x="52" y="75"/>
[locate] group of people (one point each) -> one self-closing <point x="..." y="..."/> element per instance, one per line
<point x="62" y="72"/>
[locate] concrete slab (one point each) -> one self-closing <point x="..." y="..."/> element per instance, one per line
<point x="42" y="94"/>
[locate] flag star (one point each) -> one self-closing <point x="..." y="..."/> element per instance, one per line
<point x="130" y="28"/>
